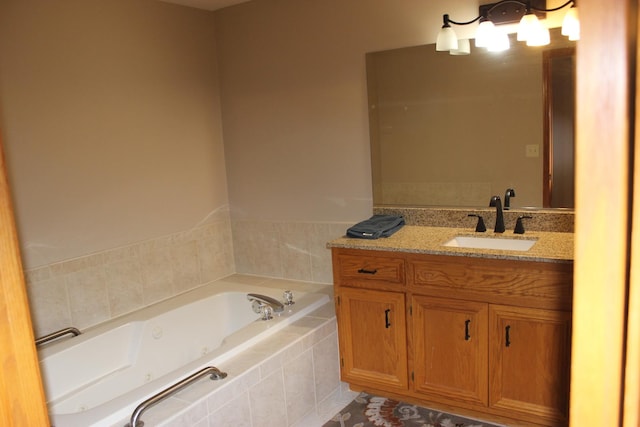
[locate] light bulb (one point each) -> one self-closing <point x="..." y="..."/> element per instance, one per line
<point x="464" y="48"/>
<point x="527" y="25"/>
<point x="484" y="33"/>
<point x="539" y="35"/>
<point x="500" y="42"/>
<point x="447" y="39"/>
<point x="571" y="24"/>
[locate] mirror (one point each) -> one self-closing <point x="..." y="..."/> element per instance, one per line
<point x="454" y="130"/>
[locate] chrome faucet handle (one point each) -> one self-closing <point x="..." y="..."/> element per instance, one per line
<point x="480" y="227"/>
<point x="288" y="298"/>
<point x="267" y="312"/>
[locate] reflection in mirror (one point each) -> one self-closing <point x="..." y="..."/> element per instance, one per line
<point x="454" y="130"/>
<point x="559" y="79"/>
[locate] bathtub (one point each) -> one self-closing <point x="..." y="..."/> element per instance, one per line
<point x="100" y="377"/>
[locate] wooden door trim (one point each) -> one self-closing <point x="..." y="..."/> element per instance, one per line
<point x="22" y="401"/>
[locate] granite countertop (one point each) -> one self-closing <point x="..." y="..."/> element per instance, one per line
<point x="550" y="246"/>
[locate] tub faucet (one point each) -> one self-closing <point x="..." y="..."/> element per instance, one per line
<point x="495" y="202"/>
<point x="265" y="305"/>
<point x="507" y="198"/>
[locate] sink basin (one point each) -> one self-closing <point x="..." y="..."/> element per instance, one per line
<point x="503" y="244"/>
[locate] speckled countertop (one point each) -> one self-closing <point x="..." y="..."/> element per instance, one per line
<point x="549" y="247"/>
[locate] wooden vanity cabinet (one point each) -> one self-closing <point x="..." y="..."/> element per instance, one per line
<point x="373" y="338"/>
<point x="490" y="336"/>
<point x="370" y="307"/>
<point x="450" y="349"/>
<point x="529" y="352"/>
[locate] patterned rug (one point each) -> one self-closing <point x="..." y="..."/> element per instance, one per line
<point x="369" y="411"/>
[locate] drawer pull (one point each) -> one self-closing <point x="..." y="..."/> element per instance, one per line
<point x="507" y="338"/>
<point x="365" y="271"/>
<point x="467" y="337"/>
<point x="387" y="324"/>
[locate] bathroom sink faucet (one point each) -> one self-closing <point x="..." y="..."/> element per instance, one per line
<point x="495" y="202"/>
<point x="507" y="198"/>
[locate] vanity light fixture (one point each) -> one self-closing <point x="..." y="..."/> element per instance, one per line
<point x="530" y="29"/>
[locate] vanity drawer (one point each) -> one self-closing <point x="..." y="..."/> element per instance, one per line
<point x="370" y="269"/>
<point x="525" y="283"/>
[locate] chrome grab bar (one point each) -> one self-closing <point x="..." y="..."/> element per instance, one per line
<point x="58" y="334"/>
<point x="215" y="374"/>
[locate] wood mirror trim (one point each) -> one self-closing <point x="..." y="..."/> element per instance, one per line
<point x="547" y="94"/>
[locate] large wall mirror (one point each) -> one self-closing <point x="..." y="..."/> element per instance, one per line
<point x="454" y="130"/>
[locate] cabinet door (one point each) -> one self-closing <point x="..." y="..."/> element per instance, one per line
<point x="450" y="349"/>
<point x="372" y="331"/>
<point x="529" y="361"/>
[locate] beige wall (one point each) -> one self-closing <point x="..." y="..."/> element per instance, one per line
<point x="295" y="103"/>
<point x="113" y="115"/>
<point x="110" y="113"/>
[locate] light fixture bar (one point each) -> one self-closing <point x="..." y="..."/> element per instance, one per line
<point x="511" y="11"/>
<point x="527" y="12"/>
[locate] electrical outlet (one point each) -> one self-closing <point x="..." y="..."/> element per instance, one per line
<point x="532" y="150"/>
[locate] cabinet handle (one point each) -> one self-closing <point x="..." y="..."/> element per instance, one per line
<point x="365" y="271"/>
<point x="507" y="340"/>
<point x="386" y="318"/>
<point x="467" y="337"/>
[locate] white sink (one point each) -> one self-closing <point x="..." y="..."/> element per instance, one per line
<point x="500" y="243"/>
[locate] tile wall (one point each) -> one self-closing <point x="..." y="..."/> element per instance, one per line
<point x="92" y="289"/>
<point x="290" y="250"/>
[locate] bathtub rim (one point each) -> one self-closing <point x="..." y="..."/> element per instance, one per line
<point x="230" y="282"/>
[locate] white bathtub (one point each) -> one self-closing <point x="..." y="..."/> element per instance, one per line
<point x="99" y="377"/>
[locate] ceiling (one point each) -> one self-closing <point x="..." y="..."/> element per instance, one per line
<point x="206" y="4"/>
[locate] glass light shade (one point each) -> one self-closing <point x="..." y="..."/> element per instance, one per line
<point x="539" y="35"/>
<point x="464" y="48"/>
<point x="500" y="41"/>
<point x="527" y="25"/>
<point x="485" y="33"/>
<point x="447" y="39"/>
<point x="571" y="24"/>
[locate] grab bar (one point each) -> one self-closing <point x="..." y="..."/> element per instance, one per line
<point x="58" y="334"/>
<point x="215" y="373"/>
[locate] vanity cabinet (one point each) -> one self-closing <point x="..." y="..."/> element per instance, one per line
<point x="450" y="349"/>
<point x="529" y="353"/>
<point x="370" y="307"/>
<point x="489" y="336"/>
<point x="373" y="338"/>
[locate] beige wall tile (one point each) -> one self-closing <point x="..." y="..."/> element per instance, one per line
<point x="299" y="387"/>
<point x="256" y="248"/>
<point x="124" y="286"/>
<point x="236" y="413"/>
<point x="267" y="402"/>
<point x="49" y="303"/>
<point x="326" y="367"/>
<point x="88" y="298"/>
<point x="294" y="250"/>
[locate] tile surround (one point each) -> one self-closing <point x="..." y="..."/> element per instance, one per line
<point x="91" y="289"/>
<point x="85" y="291"/>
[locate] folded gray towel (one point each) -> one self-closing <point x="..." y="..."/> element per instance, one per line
<point x="375" y="227"/>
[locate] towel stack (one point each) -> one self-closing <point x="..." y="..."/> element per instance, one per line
<point x="375" y="227"/>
